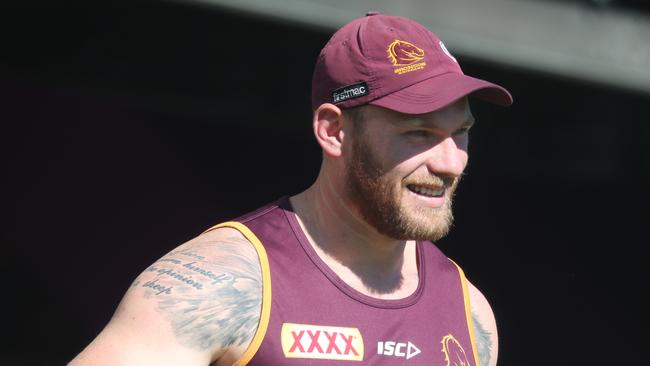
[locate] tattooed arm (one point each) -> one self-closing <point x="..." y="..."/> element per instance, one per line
<point x="485" y="328"/>
<point x="199" y="304"/>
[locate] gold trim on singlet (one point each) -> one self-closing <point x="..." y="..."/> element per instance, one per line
<point x="265" y="315"/>
<point x="468" y="312"/>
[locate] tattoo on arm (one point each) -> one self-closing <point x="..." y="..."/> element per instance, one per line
<point x="483" y="341"/>
<point x="209" y="302"/>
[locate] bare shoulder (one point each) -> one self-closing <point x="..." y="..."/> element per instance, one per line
<point x="197" y="304"/>
<point x="485" y="327"/>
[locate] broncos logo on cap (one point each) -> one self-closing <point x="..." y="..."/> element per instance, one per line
<point x="402" y="53"/>
<point x="454" y="352"/>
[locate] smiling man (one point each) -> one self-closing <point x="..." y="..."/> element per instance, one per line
<point x="346" y="270"/>
<point x="400" y="152"/>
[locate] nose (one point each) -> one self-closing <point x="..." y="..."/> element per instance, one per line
<point x="447" y="158"/>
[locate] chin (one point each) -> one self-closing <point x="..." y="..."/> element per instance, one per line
<point x="431" y="226"/>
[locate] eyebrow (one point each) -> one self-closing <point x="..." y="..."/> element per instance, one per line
<point x="416" y="120"/>
<point x="469" y="122"/>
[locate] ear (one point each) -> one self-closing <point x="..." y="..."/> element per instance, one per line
<point x="328" y="128"/>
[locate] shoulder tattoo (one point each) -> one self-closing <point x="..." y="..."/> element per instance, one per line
<point x="483" y="341"/>
<point x="210" y="300"/>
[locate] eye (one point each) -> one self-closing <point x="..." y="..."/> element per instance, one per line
<point x="463" y="130"/>
<point x="418" y="133"/>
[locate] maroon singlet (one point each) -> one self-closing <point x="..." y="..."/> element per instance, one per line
<point x="312" y="317"/>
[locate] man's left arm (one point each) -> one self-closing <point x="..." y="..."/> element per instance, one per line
<point x="485" y="327"/>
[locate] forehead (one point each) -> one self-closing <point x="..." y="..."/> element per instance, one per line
<point x="456" y="113"/>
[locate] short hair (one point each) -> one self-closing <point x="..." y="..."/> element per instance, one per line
<point x="356" y="116"/>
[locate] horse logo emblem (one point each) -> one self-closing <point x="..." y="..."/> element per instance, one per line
<point x="454" y="352"/>
<point x="402" y="53"/>
<point x="406" y="56"/>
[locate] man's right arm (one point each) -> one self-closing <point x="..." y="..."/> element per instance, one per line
<point x="198" y="304"/>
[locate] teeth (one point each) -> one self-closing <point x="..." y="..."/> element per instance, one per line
<point x="427" y="191"/>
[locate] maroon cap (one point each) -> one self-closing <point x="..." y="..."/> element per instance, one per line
<point x="395" y="63"/>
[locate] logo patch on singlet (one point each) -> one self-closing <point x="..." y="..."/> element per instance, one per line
<point x="406" y="350"/>
<point x="454" y="352"/>
<point x="321" y="342"/>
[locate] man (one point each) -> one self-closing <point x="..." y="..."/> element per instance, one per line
<point x="344" y="271"/>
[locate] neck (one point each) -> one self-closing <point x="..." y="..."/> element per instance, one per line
<point x="367" y="260"/>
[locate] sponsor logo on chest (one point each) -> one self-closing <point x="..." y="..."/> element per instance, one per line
<point x="321" y="342"/>
<point x="309" y="341"/>
<point x="397" y="349"/>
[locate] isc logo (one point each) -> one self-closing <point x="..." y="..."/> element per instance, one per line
<point x="321" y="342"/>
<point x="397" y="349"/>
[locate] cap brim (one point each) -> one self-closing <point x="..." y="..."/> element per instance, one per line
<point x="437" y="92"/>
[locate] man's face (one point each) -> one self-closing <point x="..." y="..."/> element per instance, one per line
<point x="403" y="169"/>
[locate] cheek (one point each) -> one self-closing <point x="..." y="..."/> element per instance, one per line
<point x="406" y="171"/>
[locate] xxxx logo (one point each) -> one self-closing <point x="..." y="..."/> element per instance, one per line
<point x="321" y="342"/>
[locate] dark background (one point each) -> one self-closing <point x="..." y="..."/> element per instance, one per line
<point x="130" y="127"/>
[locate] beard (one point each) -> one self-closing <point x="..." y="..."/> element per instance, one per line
<point x="379" y="200"/>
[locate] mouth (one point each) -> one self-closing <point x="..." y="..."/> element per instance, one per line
<point x="427" y="191"/>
